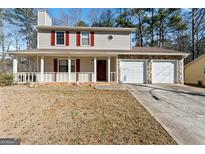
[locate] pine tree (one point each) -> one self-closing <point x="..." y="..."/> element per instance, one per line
<point x="168" y="21"/>
<point x="82" y="23"/>
<point x="139" y="21"/>
<point x="124" y="18"/>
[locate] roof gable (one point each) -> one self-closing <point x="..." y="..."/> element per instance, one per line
<point x="195" y="60"/>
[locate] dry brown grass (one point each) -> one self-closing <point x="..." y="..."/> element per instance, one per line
<point x="59" y="114"/>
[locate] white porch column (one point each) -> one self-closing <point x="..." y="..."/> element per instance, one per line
<point x="69" y="69"/>
<point x="42" y="69"/>
<point x="95" y="69"/>
<point x="182" y="67"/>
<point x="117" y="69"/>
<point x="15" y="67"/>
<point x="37" y="65"/>
<point x="108" y="70"/>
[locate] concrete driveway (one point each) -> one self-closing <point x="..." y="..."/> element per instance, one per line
<point x="180" y="109"/>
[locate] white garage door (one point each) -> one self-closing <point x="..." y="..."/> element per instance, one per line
<point x="132" y="72"/>
<point x="163" y="72"/>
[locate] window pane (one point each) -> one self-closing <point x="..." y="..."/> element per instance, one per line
<point x="60" y="38"/>
<point x="63" y="69"/>
<point x="63" y="66"/>
<point x="85" y="41"/>
<point x="85" y="38"/>
<point x="72" y="65"/>
<point x="63" y="62"/>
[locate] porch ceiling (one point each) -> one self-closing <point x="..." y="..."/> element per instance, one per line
<point x="96" y="52"/>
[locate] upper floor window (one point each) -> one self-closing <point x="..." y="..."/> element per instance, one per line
<point x="85" y="38"/>
<point x="60" y="38"/>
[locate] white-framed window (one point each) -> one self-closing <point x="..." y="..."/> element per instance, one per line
<point x="73" y="65"/>
<point x="63" y="65"/>
<point x="60" y="38"/>
<point x="85" y="38"/>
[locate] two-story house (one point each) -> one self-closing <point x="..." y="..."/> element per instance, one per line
<point x="95" y="54"/>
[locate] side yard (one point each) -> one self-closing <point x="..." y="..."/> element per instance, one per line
<point x="56" y="114"/>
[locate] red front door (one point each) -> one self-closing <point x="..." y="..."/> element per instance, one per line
<point x="101" y="70"/>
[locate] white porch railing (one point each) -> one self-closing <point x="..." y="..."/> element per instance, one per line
<point x="25" y="77"/>
<point x="82" y="76"/>
<point x="113" y="76"/>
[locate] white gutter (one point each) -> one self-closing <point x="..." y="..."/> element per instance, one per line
<point x="94" y="53"/>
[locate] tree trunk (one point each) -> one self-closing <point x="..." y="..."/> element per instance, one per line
<point x="160" y="34"/>
<point x="193" y="34"/>
<point x="152" y="27"/>
<point x="2" y="44"/>
<point x="16" y="44"/>
<point x="140" y="31"/>
<point x="197" y="43"/>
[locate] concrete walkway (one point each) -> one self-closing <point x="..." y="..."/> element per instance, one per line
<point x="180" y="109"/>
<point x="110" y="87"/>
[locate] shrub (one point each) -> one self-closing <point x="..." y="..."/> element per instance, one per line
<point x="200" y="83"/>
<point x="6" y="79"/>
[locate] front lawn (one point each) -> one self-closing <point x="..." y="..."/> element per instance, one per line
<point x="56" y="114"/>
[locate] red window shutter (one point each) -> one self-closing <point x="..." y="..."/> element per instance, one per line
<point x="55" y="62"/>
<point x="92" y="39"/>
<point x="67" y="38"/>
<point x="78" y="39"/>
<point x="77" y="65"/>
<point x="53" y="38"/>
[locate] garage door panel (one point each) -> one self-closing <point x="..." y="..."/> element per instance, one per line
<point x="132" y="72"/>
<point x="163" y="72"/>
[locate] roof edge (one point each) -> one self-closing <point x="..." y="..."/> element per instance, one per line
<point x="194" y="60"/>
<point x="88" y="28"/>
<point x="88" y="52"/>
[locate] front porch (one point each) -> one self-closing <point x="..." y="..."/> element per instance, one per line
<point x="70" y="69"/>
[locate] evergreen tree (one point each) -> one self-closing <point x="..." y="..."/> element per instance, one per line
<point x="139" y="22"/>
<point x="124" y="19"/>
<point x="168" y="21"/>
<point x="82" y="23"/>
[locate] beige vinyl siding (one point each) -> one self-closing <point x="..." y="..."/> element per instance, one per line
<point x="41" y="18"/>
<point x="113" y="64"/>
<point x="194" y="72"/>
<point x="49" y="64"/>
<point x="120" y="41"/>
<point x="44" y="19"/>
<point x="44" y="39"/>
<point x="86" y="64"/>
